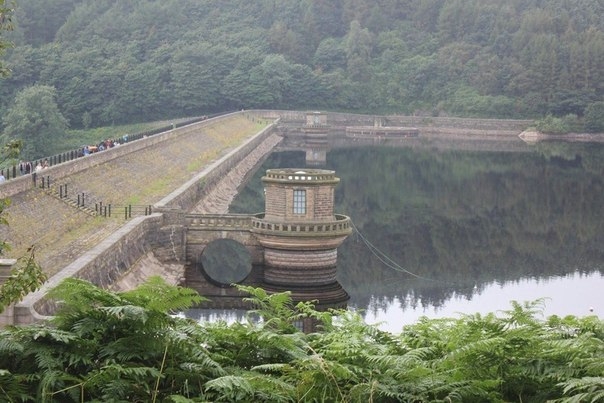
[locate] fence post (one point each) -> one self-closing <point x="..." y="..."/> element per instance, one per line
<point x="109" y="209"/>
<point x="130" y="210"/>
<point x="125" y="213"/>
<point x="83" y="199"/>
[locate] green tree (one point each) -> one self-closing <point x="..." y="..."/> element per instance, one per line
<point x="594" y="117"/>
<point x="553" y="125"/>
<point x="195" y="75"/>
<point x="330" y="55"/>
<point x="40" y="19"/>
<point x="122" y="62"/>
<point x="36" y="120"/>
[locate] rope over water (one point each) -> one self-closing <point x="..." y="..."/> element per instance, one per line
<point x="382" y="257"/>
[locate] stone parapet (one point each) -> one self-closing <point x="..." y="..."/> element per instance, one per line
<point x="219" y="221"/>
<point x="102" y="266"/>
<point x="308" y="176"/>
<point x="306" y="233"/>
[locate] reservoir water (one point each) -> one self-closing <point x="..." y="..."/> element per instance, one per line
<point x="457" y="229"/>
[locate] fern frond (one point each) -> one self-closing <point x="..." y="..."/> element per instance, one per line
<point x="478" y="348"/>
<point x="55" y="335"/>
<point x="181" y="399"/>
<point x="403" y="362"/>
<point x="274" y="367"/>
<point x="231" y="387"/>
<point x="57" y="382"/>
<point x="157" y="295"/>
<point x="126" y="312"/>
<point x="269" y="389"/>
<point x="585" y="389"/>
<point x="524" y="313"/>
<point x="9" y="344"/>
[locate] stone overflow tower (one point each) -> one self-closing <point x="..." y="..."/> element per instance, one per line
<point x="300" y="232"/>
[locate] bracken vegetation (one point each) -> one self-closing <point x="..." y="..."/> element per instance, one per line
<point x="130" y="347"/>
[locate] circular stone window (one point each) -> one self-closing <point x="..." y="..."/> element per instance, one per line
<point x="226" y="261"/>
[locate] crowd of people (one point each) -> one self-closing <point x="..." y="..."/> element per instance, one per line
<point x="103" y="145"/>
<point x="28" y="167"/>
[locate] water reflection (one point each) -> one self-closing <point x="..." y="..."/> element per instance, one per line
<point x="451" y="225"/>
<point x="573" y="294"/>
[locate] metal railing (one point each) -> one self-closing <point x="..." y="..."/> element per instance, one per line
<point x="16" y="170"/>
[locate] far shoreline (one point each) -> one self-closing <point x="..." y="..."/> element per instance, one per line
<point x="533" y="136"/>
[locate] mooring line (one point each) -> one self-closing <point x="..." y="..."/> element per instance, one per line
<point x="382" y="257"/>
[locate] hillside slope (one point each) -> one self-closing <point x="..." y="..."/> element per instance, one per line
<point x="119" y="62"/>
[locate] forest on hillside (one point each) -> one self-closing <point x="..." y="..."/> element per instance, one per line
<point x="106" y="62"/>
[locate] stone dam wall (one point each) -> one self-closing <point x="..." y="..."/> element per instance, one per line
<point x="425" y="124"/>
<point x="161" y="233"/>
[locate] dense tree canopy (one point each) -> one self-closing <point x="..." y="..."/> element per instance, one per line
<point x="35" y="117"/>
<point x="121" y="62"/>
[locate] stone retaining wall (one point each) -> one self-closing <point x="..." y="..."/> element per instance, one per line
<point x="189" y="194"/>
<point x="102" y="265"/>
<point x="425" y="123"/>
